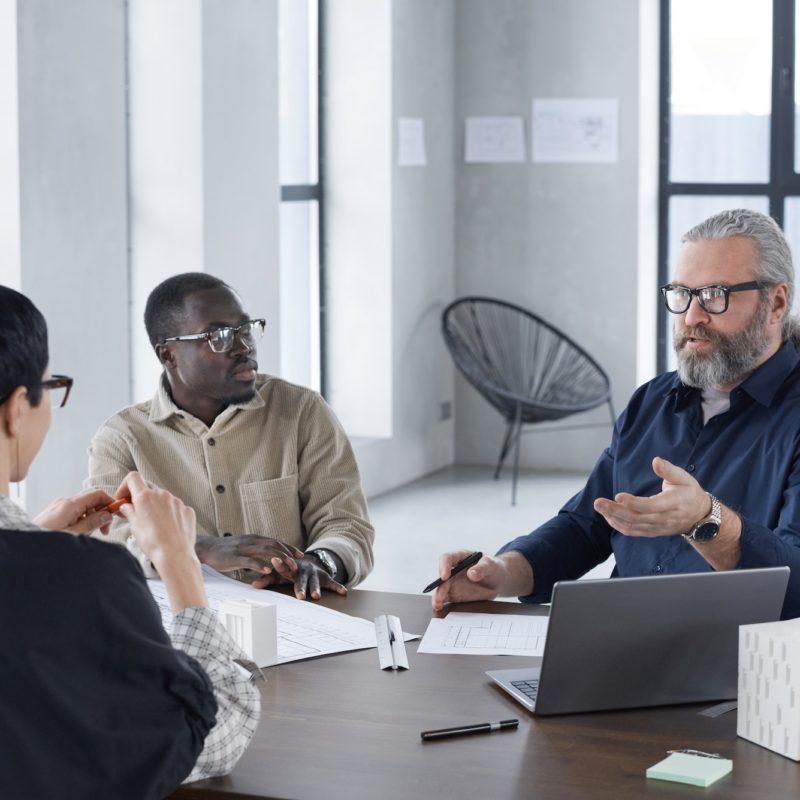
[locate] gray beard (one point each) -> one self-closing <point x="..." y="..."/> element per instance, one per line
<point x="734" y="356"/>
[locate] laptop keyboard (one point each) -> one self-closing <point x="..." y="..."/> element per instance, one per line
<point x="528" y="688"/>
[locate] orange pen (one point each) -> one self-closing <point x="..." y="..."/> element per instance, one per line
<point x="117" y="504"/>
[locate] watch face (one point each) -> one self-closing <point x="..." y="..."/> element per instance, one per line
<point x="706" y="531"/>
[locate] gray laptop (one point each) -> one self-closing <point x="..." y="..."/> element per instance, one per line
<point x="633" y="642"/>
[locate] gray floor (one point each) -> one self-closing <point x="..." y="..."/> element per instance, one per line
<point x="454" y="508"/>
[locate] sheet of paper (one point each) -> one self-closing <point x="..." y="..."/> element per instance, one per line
<point x="494" y="140"/>
<point x="305" y="628"/>
<point x="411" y="142"/>
<point x="485" y="635"/>
<point x="578" y="131"/>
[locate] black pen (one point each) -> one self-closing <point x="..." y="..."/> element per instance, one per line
<point x="468" y="730"/>
<point x="469" y="561"/>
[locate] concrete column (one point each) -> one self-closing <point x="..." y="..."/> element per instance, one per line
<point x="359" y="214"/>
<point x="73" y="216"/>
<point x="204" y="177"/>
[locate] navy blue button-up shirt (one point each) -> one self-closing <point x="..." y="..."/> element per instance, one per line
<point x="748" y="457"/>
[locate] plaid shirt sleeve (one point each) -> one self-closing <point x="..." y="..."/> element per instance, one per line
<point x="200" y="634"/>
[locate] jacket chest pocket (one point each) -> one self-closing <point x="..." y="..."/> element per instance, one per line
<point x="272" y="508"/>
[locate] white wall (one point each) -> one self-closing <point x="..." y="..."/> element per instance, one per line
<point x="240" y="157"/>
<point x="190" y="184"/>
<point x="394" y="221"/>
<point x="204" y="194"/>
<point x="204" y="157"/>
<point x="559" y="239"/>
<point x="9" y="148"/>
<point x="73" y="216"/>
<point x="357" y="244"/>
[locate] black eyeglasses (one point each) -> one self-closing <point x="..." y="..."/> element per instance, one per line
<point x="220" y="340"/>
<point x="59" y="387"/>
<point x="713" y="299"/>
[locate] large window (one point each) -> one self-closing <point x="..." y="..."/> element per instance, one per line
<point x="729" y="104"/>
<point x="301" y="194"/>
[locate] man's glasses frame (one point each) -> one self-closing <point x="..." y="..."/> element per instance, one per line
<point x="705" y="295"/>
<point x="221" y="340"/>
<point x="59" y="382"/>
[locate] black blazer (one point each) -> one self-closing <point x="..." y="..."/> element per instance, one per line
<point x="94" y="700"/>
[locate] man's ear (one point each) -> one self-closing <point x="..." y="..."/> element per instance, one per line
<point x="166" y="355"/>
<point x="12" y="410"/>
<point x="780" y="302"/>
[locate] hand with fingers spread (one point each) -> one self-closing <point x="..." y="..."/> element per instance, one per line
<point x="675" y="509"/>
<point x="306" y="574"/>
<point x="258" y="553"/>
<point x="82" y="513"/>
<point x="493" y="576"/>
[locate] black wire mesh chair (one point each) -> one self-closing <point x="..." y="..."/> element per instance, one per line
<point x="527" y="369"/>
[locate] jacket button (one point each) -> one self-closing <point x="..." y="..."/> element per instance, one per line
<point x="220" y="489"/>
<point x="211" y="441"/>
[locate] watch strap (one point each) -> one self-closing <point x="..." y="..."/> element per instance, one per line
<point x="714" y="517"/>
<point x="325" y="561"/>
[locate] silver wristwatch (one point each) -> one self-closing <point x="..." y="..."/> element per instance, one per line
<point x="708" y="527"/>
<point x="328" y="564"/>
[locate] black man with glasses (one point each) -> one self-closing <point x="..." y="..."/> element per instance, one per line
<point x="703" y="469"/>
<point x="265" y="464"/>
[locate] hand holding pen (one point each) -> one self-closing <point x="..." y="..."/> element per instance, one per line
<point x="487" y="578"/>
<point x="464" y="563"/>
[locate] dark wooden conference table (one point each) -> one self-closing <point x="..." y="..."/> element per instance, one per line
<point x="339" y="727"/>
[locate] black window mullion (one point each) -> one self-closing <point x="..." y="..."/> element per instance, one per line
<point x="782" y="175"/>
<point x="663" y="182"/>
<point x="783" y="180"/>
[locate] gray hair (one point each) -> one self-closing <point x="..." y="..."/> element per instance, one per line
<point x="775" y="257"/>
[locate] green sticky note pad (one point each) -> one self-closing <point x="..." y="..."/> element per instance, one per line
<point x="691" y="769"/>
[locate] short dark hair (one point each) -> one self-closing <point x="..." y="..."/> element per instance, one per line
<point x="23" y="346"/>
<point x="164" y="309"/>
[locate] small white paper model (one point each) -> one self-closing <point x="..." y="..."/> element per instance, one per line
<point x="254" y="627"/>
<point x="769" y="686"/>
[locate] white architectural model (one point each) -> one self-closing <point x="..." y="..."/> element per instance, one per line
<point x="769" y="686"/>
<point x="254" y="627"/>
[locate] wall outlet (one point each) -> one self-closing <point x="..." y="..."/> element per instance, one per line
<point x="445" y="410"/>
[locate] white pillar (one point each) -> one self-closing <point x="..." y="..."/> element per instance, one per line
<point x="359" y="187"/>
<point x="204" y="175"/>
<point x="9" y="148"/>
<point x="73" y="216"/>
<point x="166" y="157"/>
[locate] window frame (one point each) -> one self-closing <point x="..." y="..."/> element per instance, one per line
<point x="783" y="181"/>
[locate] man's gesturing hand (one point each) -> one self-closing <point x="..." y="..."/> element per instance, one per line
<point x="679" y="505"/>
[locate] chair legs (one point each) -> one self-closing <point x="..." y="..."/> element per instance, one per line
<point x="504" y="449"/>
<point x="517" y="436"/>
<point x="512" y="437"/>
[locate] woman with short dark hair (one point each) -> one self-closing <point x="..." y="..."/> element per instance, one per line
<point x="97" y="700"/>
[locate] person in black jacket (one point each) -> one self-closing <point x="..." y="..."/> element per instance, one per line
<point x="97" y="700"/>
